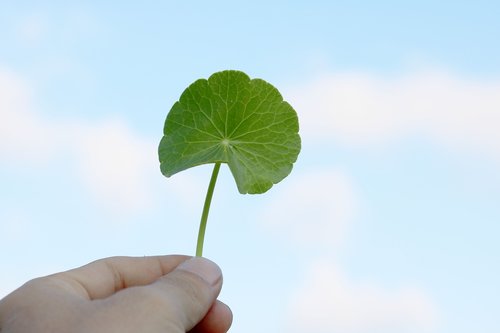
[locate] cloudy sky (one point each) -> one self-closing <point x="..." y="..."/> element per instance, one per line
<point x="390" y="220"/>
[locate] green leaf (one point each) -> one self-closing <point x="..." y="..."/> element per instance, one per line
<point x="232" y="119"/>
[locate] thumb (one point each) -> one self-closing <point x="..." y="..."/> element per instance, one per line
<point x="190" y="290"/>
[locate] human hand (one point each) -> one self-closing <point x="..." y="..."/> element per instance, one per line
<point x="167" y="294"/>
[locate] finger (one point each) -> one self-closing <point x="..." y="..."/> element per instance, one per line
<point x="105" y="277"/>
<point x="186" y="294"/>
<point x="218" y="320"/>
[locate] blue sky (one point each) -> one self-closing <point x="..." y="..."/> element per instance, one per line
<point x="389" y="221"/>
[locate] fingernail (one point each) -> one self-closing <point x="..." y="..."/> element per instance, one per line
<point x="204" y="268"/>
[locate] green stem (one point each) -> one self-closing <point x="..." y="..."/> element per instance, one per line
<point x="206" y="208"/>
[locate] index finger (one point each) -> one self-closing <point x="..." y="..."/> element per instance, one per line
<point x="104" y="277"/>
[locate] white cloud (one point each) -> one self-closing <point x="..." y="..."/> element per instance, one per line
<point x="24" y="135"/>
<point x="328" y="302"/>
<point x="360" y="109"/>
<point x="75" y="22"/>
<point x="113" y="162"/>
<point x="313" y="208"/>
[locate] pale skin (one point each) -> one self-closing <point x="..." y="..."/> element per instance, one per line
<point x="162" y="294"/>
